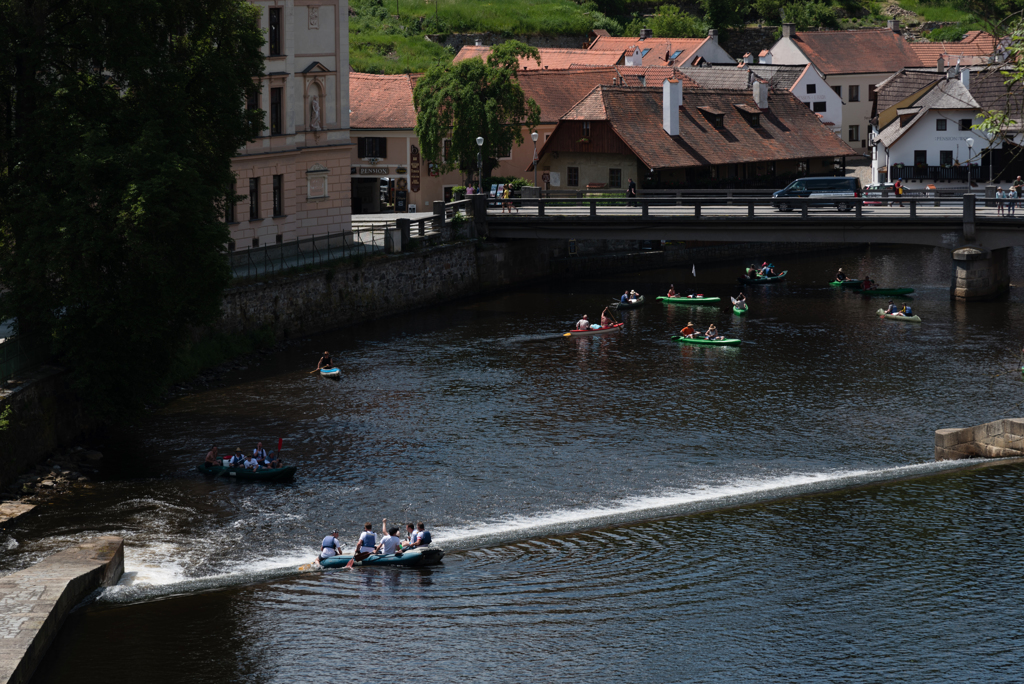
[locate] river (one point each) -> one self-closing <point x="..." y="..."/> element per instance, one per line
<point x="617" y="508"/>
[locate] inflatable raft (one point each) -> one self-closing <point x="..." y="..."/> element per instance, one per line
<point x="894" y="317"/>
<point x="628" y="305"/>
<point x="286" y="474"/>
<point x="330" y="372"/>
<point x="744" y="280"/>
<point x="415" y="558"/>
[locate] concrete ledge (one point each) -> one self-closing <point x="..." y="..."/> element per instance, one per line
<point x="998" y="439"/>
<point x="35" y="601"/>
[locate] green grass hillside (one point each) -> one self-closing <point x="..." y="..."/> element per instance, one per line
<point x="390" y="37"/>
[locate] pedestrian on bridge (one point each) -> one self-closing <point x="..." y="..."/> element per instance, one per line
<point x="1000" y="195"/>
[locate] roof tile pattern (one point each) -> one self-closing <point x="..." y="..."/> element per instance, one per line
<point x="381" y="102"/>
<point x="865" y="51"/>
<point x="550" y="58"/>
<point x="974" y="44"/>
<point x="786" y="130"/>
<point x="657" y="51"/>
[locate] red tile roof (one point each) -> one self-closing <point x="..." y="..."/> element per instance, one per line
<point x="974" y="44"/>
<point x="787" y="130"/>
<point x="381" y="102"/>
<point x="866" y="51"/>
<point x="652" y="76"/>
<point x="550" y="58"/>
<point x="555" y="92"/>
<point x="658" y="50"/>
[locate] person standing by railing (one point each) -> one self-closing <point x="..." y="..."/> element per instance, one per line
<point x="999" y="200"/>
<point x="631" y="192"/>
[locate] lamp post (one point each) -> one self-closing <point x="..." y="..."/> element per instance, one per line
<point x="480" y="161"/>
<point x="970" y="155"/>
<point x="534" y="136"/>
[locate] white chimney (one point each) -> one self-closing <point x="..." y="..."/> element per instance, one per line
<point x="894" y="25"/>
<point x="965" y="77"/>
<point x="748" y="58"/>
<point x="761" y="95"/>
<point x="634" y="56"/>
<point x="765" y="57"/>
<point x="671" y="101"/>
<point x="477" y="42"/>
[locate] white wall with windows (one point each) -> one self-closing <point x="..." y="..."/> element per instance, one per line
<point x="813" y="90"/>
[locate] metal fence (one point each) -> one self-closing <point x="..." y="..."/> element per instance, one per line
<point x="17" y="355"/>
<point x="262" y="261"/>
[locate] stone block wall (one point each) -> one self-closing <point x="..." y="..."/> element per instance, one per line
<point x="980" y="274"/>
<point x="998" y="439"/>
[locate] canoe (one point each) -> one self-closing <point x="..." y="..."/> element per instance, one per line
<point x="431" y="555"/>
<point x="330" y="372"/>
<point x="738" y="311"/>
<point x="894" y="317"/>
<point x="849" y="282"/>
<point x="690" y="300"/>
<point x="700" y="340"/>
<point x="891" y="292"/>
<point x="744" y="280"/>
<point x="599" y="331"/>
<point x="628" y="305"/>
<point x="286" y="474"/>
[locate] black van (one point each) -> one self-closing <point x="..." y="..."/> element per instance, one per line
<point x="824" y="191"/>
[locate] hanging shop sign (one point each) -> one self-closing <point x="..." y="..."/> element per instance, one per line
<point x="414" y="169"/>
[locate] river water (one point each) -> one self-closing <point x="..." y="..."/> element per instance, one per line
<point x="618" y="508"/>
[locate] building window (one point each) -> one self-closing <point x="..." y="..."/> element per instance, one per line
<point x="838" y="89"/>
<point x="252" y="100"/>
<point x="812" y="88"/>
<point x="446" y="149"/>
<point x="614" y="178"/>
<point x="965" y="124"/>
<point x="819" y="106"/>
<point x="854" y="93"/>
<point x="940" y="124"/>
<point x="854" y="133"/>
<point x="573" y="174"/>
<point x="255" y="242"/>
<point x="920" y="158"/>
<point x="229" y="205"/>
<point x="254" y="199"/>
<point x="586" y="129"/>
<point x="377" y="148"/>
<point x="275" y="31"/>
<point x="275" y="111"/>
<point x="872" y="95"/>
<point x="278" y="197"/>
<point x="945" y="157"/>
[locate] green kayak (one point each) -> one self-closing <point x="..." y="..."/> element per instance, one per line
<point x="738" y="311"/>
<point x="701" y="340"/>
<point x="286" y="474"/>
<point x="690" y="300"/>
<point x="892" y="292"/>
<point x="849" y="282"/>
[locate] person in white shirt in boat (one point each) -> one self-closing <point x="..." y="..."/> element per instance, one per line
<point x="251" y="464"/>
<point x="583" y="323"/>
<point x="634" y="296"/>
<point x="410" y="534"/>
<point x="422" y="536"/>
<point x="390" y="544"/>
<point x="367" y="542"/>
<point x="741" y="301"/>
<point x="606" y="321"/>
<point x="329" y="546"/>
<point x="238" y="459"/>
<point x="712" y="333"/>
<point x="260" y="454"/>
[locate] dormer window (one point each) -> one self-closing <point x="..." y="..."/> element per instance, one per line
<point x="713" y="116"/>
<point x="675" y="55"/>
<point x="751" y="114"/>
<point x="644" y="53"/>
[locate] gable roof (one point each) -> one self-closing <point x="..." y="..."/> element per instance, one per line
<point x="946" y="94"/>
<point x="550" y="58"/>
<point x="381" y="102"/>
<point x="740" y="77"/>
<point x="975" y="44"/>
<point x="657" y="51"/>
<point x="865" y="51"/>
<point x="787" y="130"/>
<point x="556" y="92"/>
<point x="642" y="76"/>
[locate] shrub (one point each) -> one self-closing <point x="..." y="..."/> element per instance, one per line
<point x="947" y="34"/>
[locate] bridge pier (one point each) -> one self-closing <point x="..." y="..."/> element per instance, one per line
<point x="979" y="273"/>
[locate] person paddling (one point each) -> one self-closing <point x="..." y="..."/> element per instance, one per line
<point x="688" y="330"/>
<point x="740" y="301"/>
<point x="672" y="292"/>
<point x="841" y="277"/>
<point x="583" y="323"/>
<point x="325" y="362"/>
<point x="606" y="321"/>
<point x="422" y="536"/>
<point x="212" y="459"/>
<point x="329" y="546"/>
<point x="364" y="546"/>
<point x="891" y="309"/>
<point x="712" y="333"/>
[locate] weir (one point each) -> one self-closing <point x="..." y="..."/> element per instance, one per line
<point x="34" y="602"/>
<point x="998" y="439"/>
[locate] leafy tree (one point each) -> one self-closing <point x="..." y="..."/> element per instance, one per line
<point x="808" y="15"/>
<point x="721" y="14"/>
<point x="769" y="10"/>
<point x="117" y="125"/>
<point x="671" y="22"/>
<point x="472" y="98"/>
<point x="947" y="34"/>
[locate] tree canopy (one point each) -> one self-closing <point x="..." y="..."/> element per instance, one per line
<point x="119" y="121"/>
<point x="472" y="98"/>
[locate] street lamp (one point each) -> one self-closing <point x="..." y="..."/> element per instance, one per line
<point x="480" y="161"/>
<point x="534" y="136"/>
<point x="970" y="155"/>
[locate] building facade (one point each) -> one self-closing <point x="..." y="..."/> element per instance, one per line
<point x="294" y="178"/>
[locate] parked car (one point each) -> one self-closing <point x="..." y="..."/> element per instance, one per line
<point x="824" y="191"/>
<point x="876" y="190"/>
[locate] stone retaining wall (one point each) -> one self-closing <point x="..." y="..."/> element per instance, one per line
<point x="998" y="439"/>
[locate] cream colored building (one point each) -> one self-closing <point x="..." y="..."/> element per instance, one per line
<point x="296" y="175"/>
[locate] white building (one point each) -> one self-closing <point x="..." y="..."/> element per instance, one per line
<point x="852" y="63"/>
<point x="927" y="140"/>
<point x="296" y="175"/>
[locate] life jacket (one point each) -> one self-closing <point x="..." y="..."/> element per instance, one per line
<point x="423" y="538"/>
<point x="369" y="541"/>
